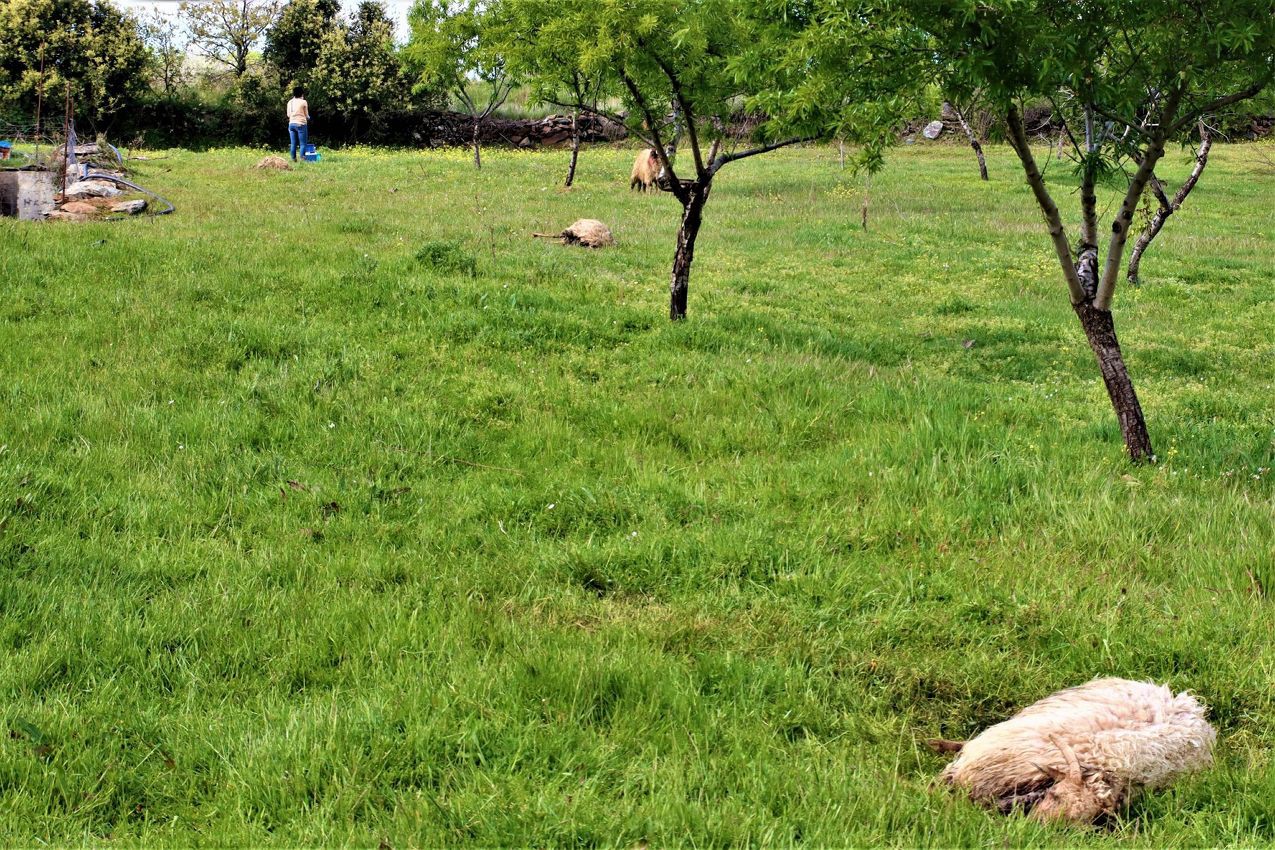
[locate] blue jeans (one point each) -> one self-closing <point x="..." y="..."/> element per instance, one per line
<point x="298" y="135"/>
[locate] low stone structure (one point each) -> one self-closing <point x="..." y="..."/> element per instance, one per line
<point x="456" y="129"/>
<point x="27" y="195"/>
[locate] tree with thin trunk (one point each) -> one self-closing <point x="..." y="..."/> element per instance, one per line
<point x="226" y="31"/>
<point x="1167" y="207"/>
<point x="1138" y="74"/>
<point x="167" y="44"/>
<point x="659" y="53"/>
<point x="456" y="46"/>
<point x="582" y="95"/>
<point x="970" y="135"/>
<point x="543" y="48"/>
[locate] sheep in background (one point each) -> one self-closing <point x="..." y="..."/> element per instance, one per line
<point x="1081" y="753"/>
<point x="646" y="169"/>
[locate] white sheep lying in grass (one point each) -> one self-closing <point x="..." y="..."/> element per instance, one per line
<point x="1081" y="753"/>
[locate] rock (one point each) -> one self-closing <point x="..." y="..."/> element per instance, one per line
<point x="93" y="152"/>
<point x="277" y="163"/>
<point x="933" y="130"/>
<point x="92" y="189"/>
<point x="63" y="215"/>
<point x="80" y="208"/>
<point x="130" y="207"/>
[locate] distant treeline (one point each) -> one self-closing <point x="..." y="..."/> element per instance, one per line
<point x="220" y="71"/>
<point x="217" y="73"/>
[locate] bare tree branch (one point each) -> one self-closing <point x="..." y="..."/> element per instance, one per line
<point x="1191" y="115"/>
<point x="716" y="164"/>
<point x="1124" y="218"/>
<point x="688" y="115"/>
<point x="1018" y="140"/>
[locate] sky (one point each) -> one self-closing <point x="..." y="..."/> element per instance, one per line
<point x="397" y="8"/>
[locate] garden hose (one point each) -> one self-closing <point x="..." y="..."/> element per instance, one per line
<point x="98" y="175"/>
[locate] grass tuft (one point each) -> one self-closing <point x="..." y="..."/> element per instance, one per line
<point x="448" y="258"/>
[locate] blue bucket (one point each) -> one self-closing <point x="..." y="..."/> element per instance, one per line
<point x="310" y="154"/>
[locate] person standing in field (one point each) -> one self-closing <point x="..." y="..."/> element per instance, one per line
<point x="298" y="122"/>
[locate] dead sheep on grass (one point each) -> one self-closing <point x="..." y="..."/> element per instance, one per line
<point x="1080" y="754"/>
<point x="584" y="232"/>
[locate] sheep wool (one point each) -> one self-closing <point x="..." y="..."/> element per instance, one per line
<point x="1083" y="752"/>
<point x="583" y="232"/>
<point x="646" y="169"/>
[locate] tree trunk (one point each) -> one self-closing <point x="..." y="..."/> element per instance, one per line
<point x="1167" y="207"/>
<point x="1100" y="330"/>
<point x="1085" y="288"/>
<point x="969" y="134"/>
<point x="692" y="216"/>
<point x="1148" y="233"/>
<point x="575" y="148"/>
<point x="478" y="160"/>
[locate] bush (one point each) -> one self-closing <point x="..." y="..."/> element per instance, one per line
<point x="447" y="258"/>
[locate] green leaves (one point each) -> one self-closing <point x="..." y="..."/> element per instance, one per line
<point x="89" y="44"/>
<point x="357" y="68"/>
<point x="455" y="41"/>
<point x="850" y="71"/>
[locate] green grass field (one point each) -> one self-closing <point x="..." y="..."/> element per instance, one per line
<point x="305" y="540"/>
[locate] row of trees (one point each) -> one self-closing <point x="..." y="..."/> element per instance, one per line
<point x="1128" y="78"/>
<point x="127" y="74"/>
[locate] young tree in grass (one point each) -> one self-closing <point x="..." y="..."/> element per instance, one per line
<point x="580" y="92"/>
<point x="657" y="53"/>
<point x="226" y="31"/>
<point x="455" y="46"/>
<point x="1139" y="74"/>
<point x="970" y="135"/>
<point x="542" y="48"/>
